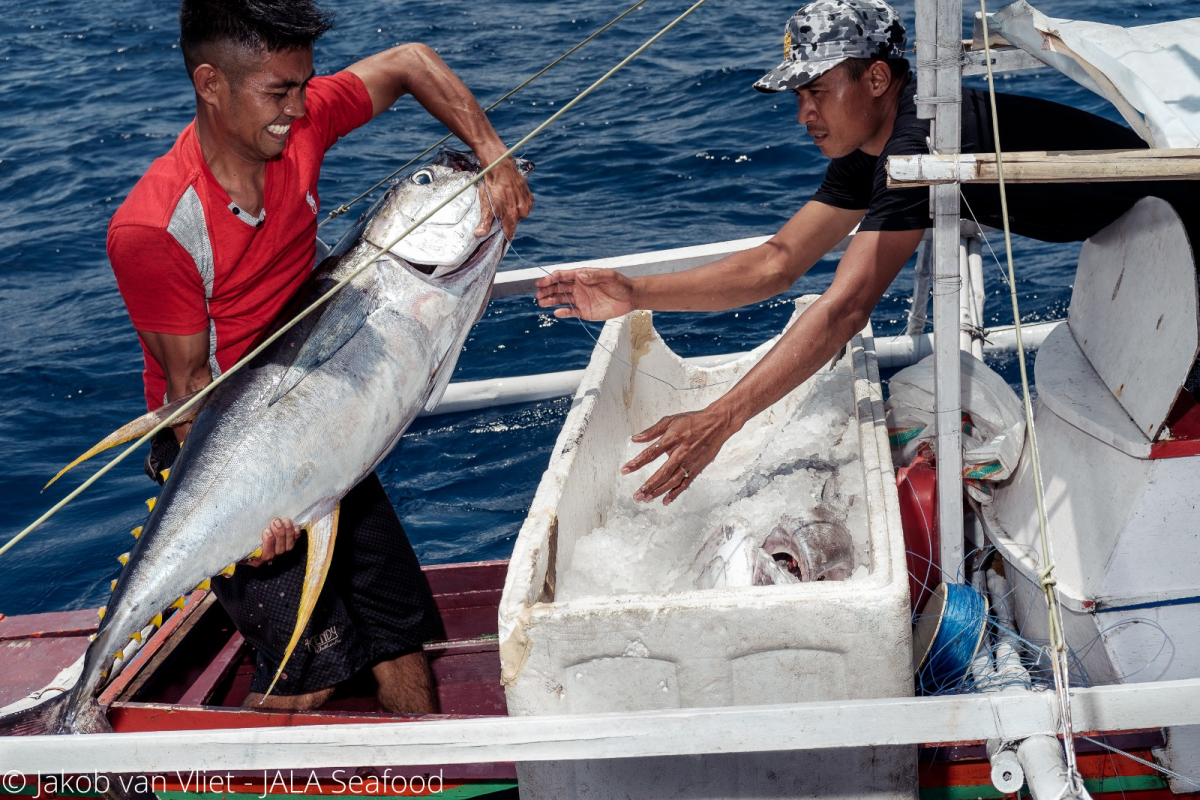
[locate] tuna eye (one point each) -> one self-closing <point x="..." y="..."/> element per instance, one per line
<point x="423" y="177"/>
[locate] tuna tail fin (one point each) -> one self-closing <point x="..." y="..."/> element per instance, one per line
<point x="133" y="430"/>
<point x="43" y="718"/>
<point x="322" y="534"/>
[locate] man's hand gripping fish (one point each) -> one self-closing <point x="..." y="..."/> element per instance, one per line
<point x="291" y="433"/>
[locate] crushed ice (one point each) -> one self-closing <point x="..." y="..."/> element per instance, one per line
<point x="798" y="475"/>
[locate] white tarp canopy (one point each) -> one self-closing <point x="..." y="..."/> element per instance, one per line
<point x="1150" y="73"/>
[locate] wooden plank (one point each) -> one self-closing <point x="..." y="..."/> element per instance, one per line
<point x="1134" y="310"/>
<point x="1008" y="59"/>
<point x="28" y="665"/>
<point x="1076" y="166"/>
<point x="798" y="726"/>
<point x="204" y="687"/>
<point x="82" y="622"/>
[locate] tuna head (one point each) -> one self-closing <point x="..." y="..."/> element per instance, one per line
<point x="812" y="551"/>
<point x="447" y="239"/>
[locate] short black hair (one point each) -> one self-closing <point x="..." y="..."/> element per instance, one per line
<point x="857" y="67"/>
<point x="254" y="25"/>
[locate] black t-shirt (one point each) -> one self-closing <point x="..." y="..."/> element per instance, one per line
<point x="1061" y="212"/>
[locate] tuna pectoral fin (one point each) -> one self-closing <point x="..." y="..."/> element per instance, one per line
<point x="45" y="717"/>
<point x="139" y="427"/>
<point x="321" y="536"/>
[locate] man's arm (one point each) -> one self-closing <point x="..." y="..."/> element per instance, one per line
<point x="692" y="441"/>
<point x="184" y="359"/>
<point x="749" y="276"/>
<point x="415" y="69"/>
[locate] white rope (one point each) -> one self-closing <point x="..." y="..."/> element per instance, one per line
<point x="203" y="393"/>
<point x="1057" y="640"/>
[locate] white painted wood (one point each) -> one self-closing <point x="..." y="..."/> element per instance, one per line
<point x="740" y="729"/>
<point x="1134" y="310"/>
<point x="1070" y="387"/>
<point x="1007" y="59"/>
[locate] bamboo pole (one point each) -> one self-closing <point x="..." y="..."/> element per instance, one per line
<point x="1079" y="166"/>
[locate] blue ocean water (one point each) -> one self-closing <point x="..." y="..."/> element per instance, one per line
<point x="676" y="150"/>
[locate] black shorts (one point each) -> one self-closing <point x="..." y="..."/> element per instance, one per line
<point x="375" y="604"/>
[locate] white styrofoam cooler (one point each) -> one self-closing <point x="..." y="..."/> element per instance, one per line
<point x="720" y="647"/>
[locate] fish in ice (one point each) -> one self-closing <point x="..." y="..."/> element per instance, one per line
<point x="288" y="435"/>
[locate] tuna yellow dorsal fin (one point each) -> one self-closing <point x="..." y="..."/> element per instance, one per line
<point x="157" y="621"/>
<point x="322" y="534"/>
<point x="133" y="430"/>
<point x="112" y="587"/>
<point x="150" y="503"/>
<point x="136" y="532"/>
<point x="123" y="558"/>
<point x="179" y="603"/>
<point x="229" y="570"/>
<point x="101" y="611"/>
<point x="204" y="585"/>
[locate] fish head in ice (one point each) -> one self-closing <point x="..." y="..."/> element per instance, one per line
<point x="813" y="550"/>
<point x="441" y="244"/>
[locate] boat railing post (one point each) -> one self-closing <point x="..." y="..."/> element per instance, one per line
<point x="917" y="312"/>
<point x="978" y="295"/>
<point x="939" y="96"/>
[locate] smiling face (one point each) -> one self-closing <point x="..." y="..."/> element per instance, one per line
<point x="255" y="97"/>
<point x="843" y="114"/>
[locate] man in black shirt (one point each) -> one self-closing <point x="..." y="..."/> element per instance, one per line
<point x="844" y="62"/>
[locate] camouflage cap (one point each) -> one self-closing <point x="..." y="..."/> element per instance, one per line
<point x="825" y="33"/>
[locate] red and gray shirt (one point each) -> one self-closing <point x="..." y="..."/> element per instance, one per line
<point x="187" y="259"/>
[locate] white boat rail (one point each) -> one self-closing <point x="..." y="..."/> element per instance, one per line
<point x="734" y="729"/>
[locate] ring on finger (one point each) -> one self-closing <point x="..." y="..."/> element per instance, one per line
<point x="685" y="473"/>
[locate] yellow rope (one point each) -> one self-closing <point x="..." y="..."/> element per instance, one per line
<point x="1058" y="643"/>
<point x="325" y="297"/>
<point x="342" y="209"/>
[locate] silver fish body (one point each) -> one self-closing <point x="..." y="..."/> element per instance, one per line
<point x="308" y="418"/>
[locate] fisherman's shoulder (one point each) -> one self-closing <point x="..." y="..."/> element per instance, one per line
<point x="340" y="100"/>
<point x="156" y="196"/>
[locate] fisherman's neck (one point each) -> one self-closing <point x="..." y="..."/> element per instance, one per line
<point x="242" y="176"/>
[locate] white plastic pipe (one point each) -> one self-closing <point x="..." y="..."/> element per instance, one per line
<point x="891" y="351"/>
<point x="1045" y="770"/>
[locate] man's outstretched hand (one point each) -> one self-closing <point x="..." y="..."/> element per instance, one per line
<point x="504" y="195"/>
<point x="690" y="441"/>
<point x="595" y="294"/>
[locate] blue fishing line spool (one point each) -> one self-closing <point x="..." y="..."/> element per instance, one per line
<point x="947" y="635"/>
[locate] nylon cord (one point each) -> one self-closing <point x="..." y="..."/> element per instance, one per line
<point x="342" y="209"/>
<point x="203" y="393"/>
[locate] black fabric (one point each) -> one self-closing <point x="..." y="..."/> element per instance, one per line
<point x="1050" y="212"/>
<point x="375" y="605"/>
<point x="164" y="448"/>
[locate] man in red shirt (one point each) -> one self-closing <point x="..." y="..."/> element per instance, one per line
<point x="210" y="245"/>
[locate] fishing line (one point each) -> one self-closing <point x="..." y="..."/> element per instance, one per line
<point x="1145" y="763"/>
<point x="342" y="209"/>
<point x="203" y="393"/>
